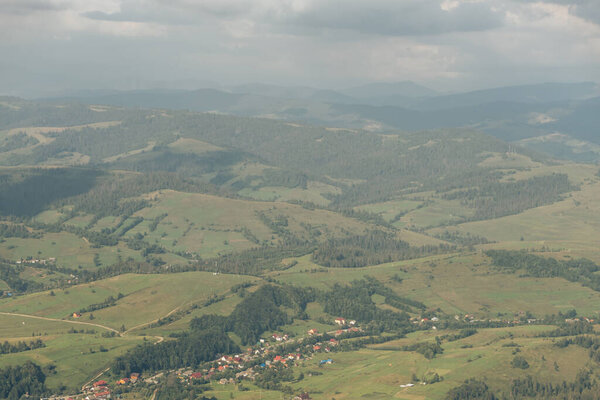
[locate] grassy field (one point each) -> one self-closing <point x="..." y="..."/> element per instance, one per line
<point x="69" y="250"/>
<point x="458" y="284"/>
<point x="41" y="135"/>
<point x="77" y="357"/>
<point x="378" y="371"/>
<point x="573" y="223"/>
<point x="146" y="297"/>
<point x="209" y="225"/>
<point x="313" y="193"/>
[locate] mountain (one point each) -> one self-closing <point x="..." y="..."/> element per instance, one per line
<point x="292" y="92"/>
<point x="540" y="93"/>
<point x="389" y="89"/>
<point x="512" y="113"/>
<point x="184" y="236"/>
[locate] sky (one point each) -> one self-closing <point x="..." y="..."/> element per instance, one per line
<point x="54" y="46"/>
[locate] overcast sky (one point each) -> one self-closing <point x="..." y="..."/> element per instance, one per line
<point x="52" y="45"/>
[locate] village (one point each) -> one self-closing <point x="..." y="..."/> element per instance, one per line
<point x="273" y="352"/>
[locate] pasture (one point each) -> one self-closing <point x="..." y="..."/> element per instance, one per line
<point x="376" y="372"/>
<point x="145" y="297"/>
<point x="458" y="284"/>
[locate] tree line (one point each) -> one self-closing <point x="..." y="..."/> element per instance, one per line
<point x="20" y="346"/>
<point x="375" y="247"/>
<point x="578" y="270"/>
<point x="27" y="379"/>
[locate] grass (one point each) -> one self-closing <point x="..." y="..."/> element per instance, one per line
<point x="378" y="371"/>
<point x="312" y="194"/>
<point x="188" y="145"/>
<point x="69" y="250"/>
<point x="573" y="223"/>
<point x="390" y="209"/>
<point x="77" y="357"/>
<point x="210" y="225"/>
<point x="69" y="352"/>
<point x="20" y="327"/>
<point x="224" y="307"/>
<point x="439" y="212"/>
<point x="147" y="297"/>
<point x="458" y="284"/>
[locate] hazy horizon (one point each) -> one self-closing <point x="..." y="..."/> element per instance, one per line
<point x="52" y="47"/>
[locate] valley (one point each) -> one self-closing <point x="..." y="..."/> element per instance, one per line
<point x="160" y="243"/>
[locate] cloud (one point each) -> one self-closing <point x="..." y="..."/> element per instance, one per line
<point x="588" y="10"/>
<point x="23" y="7"/>
<point x="399" y="17"/>
<point x="380" y="17"/>
<point x="449" y="44"/>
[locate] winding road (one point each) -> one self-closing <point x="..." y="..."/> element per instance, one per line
<point x="62" y="320"/>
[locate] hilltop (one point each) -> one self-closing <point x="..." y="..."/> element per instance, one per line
<point x="129" y="236"/>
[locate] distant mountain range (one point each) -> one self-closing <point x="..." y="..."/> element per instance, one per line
<point x="515" y="113"/>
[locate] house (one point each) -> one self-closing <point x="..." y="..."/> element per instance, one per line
<point x="352" y="323"/>
<point x="340" y="321"/>
<point x="303" y="396"/>
<point x="277" y="337"/>
<point x="196" y="375"/>
<point x="123" y="381"/>
<point x="312" y="332"/>
<point x="134" y="377"/>
<point x="76" y="315"/>
<point x="327" y="361"/>
<point x="100" y="384"/>
<point x="316" y="347"/>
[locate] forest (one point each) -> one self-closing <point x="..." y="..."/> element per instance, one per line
<point x="576" y="270"/>
<point x="376" y="247"/>
<point x="27" y="379"/>
<point x="223" y="232"/>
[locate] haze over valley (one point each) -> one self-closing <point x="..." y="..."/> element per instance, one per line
<point x="299" y="200"/>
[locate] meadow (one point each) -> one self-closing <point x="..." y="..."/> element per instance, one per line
<point x="376" y="372"/>
<point x="165" y="191"/>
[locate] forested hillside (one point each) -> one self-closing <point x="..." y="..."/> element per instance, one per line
<point x="177" y="254"/>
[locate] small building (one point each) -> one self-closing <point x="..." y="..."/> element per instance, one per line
<point x="103" y="395"/>
<point x="340" y="321"/>
<point x="76" y="315"/>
